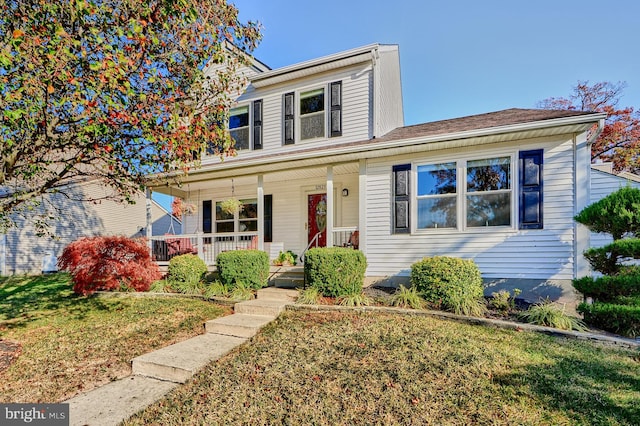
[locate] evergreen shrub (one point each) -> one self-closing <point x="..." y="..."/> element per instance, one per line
<point x="250" y="267"/>
<point x="335" y="271"/>
<point x="449" y="282"/>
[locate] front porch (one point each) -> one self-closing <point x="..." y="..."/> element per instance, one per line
<point x="209" y="246"/>
<point x="293" y="208"/>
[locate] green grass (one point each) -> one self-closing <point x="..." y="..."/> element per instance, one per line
<point x="368" y="369"/>
<point x="71" y="344"/>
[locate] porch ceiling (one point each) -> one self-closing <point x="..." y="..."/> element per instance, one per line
<point x="224" y="182"/>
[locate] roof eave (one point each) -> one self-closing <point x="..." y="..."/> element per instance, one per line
<point x="565" y="125"/>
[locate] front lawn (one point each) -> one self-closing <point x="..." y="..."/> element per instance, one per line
<point x="337" y="368"/>
<point x="67" y="344"/>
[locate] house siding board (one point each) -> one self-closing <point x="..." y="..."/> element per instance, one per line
<point x="543" y="254"/>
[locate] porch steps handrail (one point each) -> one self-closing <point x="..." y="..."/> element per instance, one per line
<point x="313" y="241"/>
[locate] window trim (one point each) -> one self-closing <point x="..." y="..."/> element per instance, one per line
<point x="461" y="194"/>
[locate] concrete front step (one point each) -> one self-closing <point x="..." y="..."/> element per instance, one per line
<point x="265" y="307"/>
<point x="238" y="325"/>
<point x="178" y="362"/>
<point x="273" y="293"/>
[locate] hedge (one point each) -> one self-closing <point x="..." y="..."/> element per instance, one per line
<point x="447" y="280"/>
<point x="186" y="268"/>
<point x="617" y="318"/>
<point x="335" y="271"/>
<point x="607" y="287"/>
<point x="250" y="267"/>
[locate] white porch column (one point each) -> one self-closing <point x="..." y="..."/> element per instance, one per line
<point x="260" y="196"/>
<point x="149" y="227"/>
<point x="362" y="207"/>
<point x="330" y="204"/>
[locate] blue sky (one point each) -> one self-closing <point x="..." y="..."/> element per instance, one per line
<point x="465" y="57"/>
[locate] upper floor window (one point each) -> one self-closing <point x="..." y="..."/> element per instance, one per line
<point x="312" y="115"/>
<point x="239" y="126"/>
<point x="245" y="127"/>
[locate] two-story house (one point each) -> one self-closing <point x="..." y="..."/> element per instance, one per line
<point x="324" y="159"/>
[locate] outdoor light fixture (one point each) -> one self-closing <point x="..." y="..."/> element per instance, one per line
<point x="345" y="192"/>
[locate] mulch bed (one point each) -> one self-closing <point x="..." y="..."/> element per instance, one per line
<point x="9" y="352"/>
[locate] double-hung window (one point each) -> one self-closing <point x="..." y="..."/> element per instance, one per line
<point x="245" y="126"/>
<point x="437" y="196"/>
<point x="488" y="196"/>
<point x="244" y="220"/>
<point x="239" y="126"/>
<point x="311" y="114"/>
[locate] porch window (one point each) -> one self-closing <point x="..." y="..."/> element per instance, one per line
<point x="245" y="220"/>
<point x="312" y="116"/>
<point x="488" y="199"/>
<point x="437" y="196"/>
<point x="239" y="126"/>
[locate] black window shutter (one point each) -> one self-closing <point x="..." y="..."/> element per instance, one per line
<point x="336" y="109"/>
<point x="257" y="124"/>
<point x="268" y="218"/>
<point x="401" y="199"/>
<point x="531" y="197"/>
<point x="289" y="116"/>
<point x="206" y="216"/>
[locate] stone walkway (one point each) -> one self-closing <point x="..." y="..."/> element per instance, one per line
<point x="158" y="372"/>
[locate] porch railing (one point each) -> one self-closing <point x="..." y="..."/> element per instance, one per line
<point x="346" y="236"/>
<point x="206" y="246"/>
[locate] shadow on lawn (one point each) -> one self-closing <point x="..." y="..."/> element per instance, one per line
<point x="584" y="385"/>
<point x="24" y="299"/>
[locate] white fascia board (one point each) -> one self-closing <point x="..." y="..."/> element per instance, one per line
<point x="337" y="60"/>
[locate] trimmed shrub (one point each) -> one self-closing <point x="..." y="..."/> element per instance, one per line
<point x="617" y="214"/>
<point x="335" y="271"/>
<point x="186" y="268"/>
<point x="450" y="283"/>
<point x="608" y="259"/>
<point x="251" y="267"/>
<point x="607" y="287"/>
<point x="109" y="263"/>
<point x="615" y="317"/>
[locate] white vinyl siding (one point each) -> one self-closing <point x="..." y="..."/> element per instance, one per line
<point x="501" y="253"/>
<point x="356" y="110"/>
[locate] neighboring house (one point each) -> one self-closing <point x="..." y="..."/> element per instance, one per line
<point x="603" y="183"/>
<point x="22" y="251"/>
<point x="324" y="159"/>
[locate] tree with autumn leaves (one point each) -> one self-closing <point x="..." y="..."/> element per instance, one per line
<point x="114" y="90"/>
<point x="619" y="141"/>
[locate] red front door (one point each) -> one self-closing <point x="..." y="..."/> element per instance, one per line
<point x="317" y="219"/>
